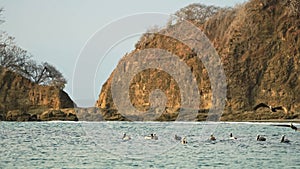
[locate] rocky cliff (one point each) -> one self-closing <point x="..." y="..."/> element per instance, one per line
<point x="259" y="45"/>
<point x="23" y="100"/>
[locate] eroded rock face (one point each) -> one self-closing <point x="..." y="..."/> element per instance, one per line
<point x="17" y="115"/>
<point x="20" y="98"/>
<point x="259" y="48"/>
<point x="49" y="115"/>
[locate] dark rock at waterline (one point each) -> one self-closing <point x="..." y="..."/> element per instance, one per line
<point x="51" y="115"/>
<point x="18" y="115"/>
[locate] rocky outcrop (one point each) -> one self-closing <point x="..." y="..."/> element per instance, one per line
<point x="17" y="115"/>
<point x="62" y="115"/>
<point x="258" y="43"/>
<point x="97" y="114"/>
<point x="23" y="100"/>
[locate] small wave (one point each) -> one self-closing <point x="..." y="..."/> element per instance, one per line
<point x="60" y="121"/>
<point x="261" y="123"/>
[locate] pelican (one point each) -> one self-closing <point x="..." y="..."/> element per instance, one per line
<point x="126" y="137"/>
<point x="284" y="140"/>
<point x="293" y="127"/>
<point x="212" y="137"/>
<point x="152" y="136"/>
<point x="149" y="137"/>
<point x="288" y="125"/>
<point x="177" y="137"/>
<point x="272" y="109"/>
<point x="183" y="141"/>
<point x="260" y="138"/>
<point x="231" y="137"/>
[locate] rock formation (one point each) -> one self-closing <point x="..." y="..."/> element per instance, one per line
<point x="258" y="43"/>
<point x="23" y="100"/>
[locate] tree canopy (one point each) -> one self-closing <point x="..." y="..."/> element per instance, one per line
<point x="196" y="12"/>
<point x="18" y="60"/>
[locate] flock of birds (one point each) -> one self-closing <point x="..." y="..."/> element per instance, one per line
<point x="274" y="109"/>
<point x="153" y="136"/>
<point x="183" y="140"/>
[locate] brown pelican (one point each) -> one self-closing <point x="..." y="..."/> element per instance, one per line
<point x="151" y="137"/>
<point x="293" y="127"/>
<point x="126" y="137"/>
<point x="284" y="140"/>
<point x="260" y="138"/>
<point x="212" y="137"/>
<point x="231" y="137"/>
<point x="288" y="125"/>
<point x="272" y="109"/>
<point x="183" y="141"/>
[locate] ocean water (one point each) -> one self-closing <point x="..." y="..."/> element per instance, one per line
<point x="99" y="145"/>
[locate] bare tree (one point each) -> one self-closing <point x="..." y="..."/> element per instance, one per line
<point x="44" y="74"/>
<point x="11" y="56"/>
<point x="32" y="70"/>
<point x="196" y="12"/>
<point x="18" y="60"/>
<point x="51" y="76"/>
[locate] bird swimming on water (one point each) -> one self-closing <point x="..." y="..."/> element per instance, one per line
<point x="272" y="109"/>
<point x="183" y="141"/>
<point x="126" y="137"/>
<point x="284" y="140"/>
<point x="149" y="137"/>
<point x="152" y="136"/>
<point x="231" y="137"/>
<point x="260" y="138"/>
<point x="288" y="125"/>
<point x="212" y="137"/>
<point x="293" y="127"/>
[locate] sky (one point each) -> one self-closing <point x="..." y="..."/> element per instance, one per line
<point x="59" y="31"/>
